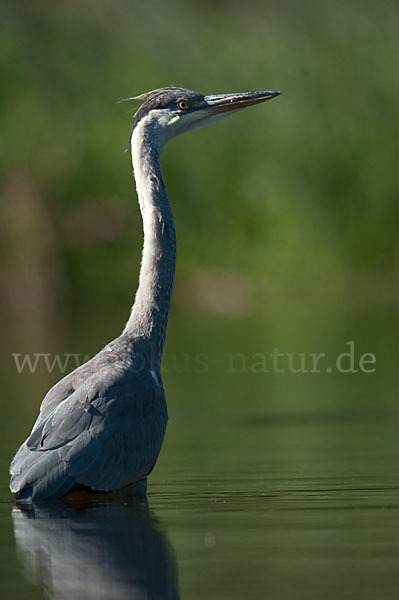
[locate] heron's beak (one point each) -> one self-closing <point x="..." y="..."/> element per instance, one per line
<point x="221" y="103"/>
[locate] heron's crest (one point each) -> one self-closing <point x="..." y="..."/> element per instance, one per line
<point x="150" y="94"/>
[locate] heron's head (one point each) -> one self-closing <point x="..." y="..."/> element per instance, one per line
<point x="168" y="112"/>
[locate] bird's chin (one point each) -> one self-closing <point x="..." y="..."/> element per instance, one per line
<point x="198" y="119"/>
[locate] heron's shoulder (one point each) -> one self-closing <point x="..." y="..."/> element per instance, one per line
<point x="115" y="370"/>
<point x="106" y="383"/>
<point x="106" y="397"/>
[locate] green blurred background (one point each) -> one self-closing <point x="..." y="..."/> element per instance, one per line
<point x="286" y="214"/>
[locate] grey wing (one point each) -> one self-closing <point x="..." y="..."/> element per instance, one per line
<point x="101" y="439"/>
<point x="63" y="389"/>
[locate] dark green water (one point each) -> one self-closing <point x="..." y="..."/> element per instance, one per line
<point x="269" y="485"/>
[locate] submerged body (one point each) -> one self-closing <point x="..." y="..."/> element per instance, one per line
<point x="102" y="426"/>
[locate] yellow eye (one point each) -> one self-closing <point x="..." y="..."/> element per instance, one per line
<point x="182" y="104"/>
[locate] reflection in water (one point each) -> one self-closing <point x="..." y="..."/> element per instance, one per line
<point x="105" y="551"/>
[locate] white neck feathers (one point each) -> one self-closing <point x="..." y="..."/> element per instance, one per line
<point x="149" y="315"/>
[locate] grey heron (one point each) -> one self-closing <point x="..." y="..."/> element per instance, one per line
<point x="102" y="426"/>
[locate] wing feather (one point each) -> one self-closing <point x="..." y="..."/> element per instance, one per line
<point x="102" y="436"/>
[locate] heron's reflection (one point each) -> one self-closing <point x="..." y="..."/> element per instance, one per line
<point x="106" y="551"/>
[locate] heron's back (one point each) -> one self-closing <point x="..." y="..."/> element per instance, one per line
<point x="102" y="427"/>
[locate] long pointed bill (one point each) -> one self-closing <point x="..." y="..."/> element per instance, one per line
<point x="224" y="102"/>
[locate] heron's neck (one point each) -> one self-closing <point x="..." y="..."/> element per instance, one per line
<point x="149" y="316"/>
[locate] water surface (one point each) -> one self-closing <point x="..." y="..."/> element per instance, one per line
<point x="268" y="486"/>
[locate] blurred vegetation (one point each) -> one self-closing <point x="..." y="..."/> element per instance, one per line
<point x="287" y="208"/>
